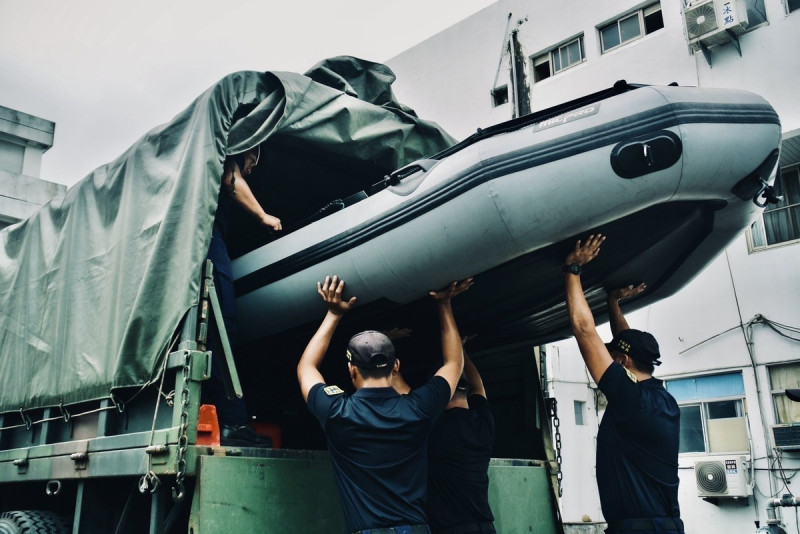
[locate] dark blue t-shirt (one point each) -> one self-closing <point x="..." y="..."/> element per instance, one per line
<point x="459" y="451"/>
<point x="378" y="442"/>
<point x="637" y="448"/>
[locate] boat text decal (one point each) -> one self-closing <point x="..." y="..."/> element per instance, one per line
<point x="567" y="117"/>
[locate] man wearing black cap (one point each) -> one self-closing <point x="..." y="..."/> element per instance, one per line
<point x="377" y="438"/>
<point x="637" y="443"/>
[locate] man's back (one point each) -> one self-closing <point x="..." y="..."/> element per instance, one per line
<point x="459" y="452"/>
<point x="378" y="445"/>
<point x="637" y="448"/>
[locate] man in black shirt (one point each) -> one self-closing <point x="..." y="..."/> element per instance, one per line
<point x="377" y="438"/>
<point x="637" y="443"/>
<point x="459" y="451"/>
<point x="235" y="192"/>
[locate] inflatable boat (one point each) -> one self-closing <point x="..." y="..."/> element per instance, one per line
<point x="95" y="285"/>
<point x="670" y="174"/>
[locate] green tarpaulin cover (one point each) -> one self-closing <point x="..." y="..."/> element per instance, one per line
<point x="95" y="285"/>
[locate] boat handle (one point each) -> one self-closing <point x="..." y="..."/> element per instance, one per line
<point x="399" y="175"/>
<point x="648" y="155"/>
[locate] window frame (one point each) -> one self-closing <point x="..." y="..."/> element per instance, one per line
<point x="641" y="15"/>
<point x="703" y="390"/>
<point x="579" y="409"/>
<point x="705" y="417"/>
<point x="759" y="243"/>
<point x="550" y="55"/>
<point x="498" y="91"/>
<point x="775" y="393"/>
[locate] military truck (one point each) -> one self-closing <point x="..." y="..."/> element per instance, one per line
<point x="107" y="302"/>
<point x="108" y="299"/>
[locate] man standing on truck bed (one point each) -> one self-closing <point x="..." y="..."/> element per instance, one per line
<point x="459" y="451"/>
<point x="235" y="429"/>
<point x="637" y="443"/>
<point x="377" y="438"/>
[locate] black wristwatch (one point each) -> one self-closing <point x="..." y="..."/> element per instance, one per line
<point x="572" y="268"/>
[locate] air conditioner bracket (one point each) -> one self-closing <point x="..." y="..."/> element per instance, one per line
<point x="733" y="39"/>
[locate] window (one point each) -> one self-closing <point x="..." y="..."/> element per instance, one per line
<point x="712" y="413"/>
<point x="780" y="223"/>
<point x="756" y="13"/>
<point x="792" y="5"/>
<point x="781" y="378"/>
<point x="631" y="26"/>
<point x="578" y="406"/>
<point x="562" y="57"/>
<point x="500" y="96"/>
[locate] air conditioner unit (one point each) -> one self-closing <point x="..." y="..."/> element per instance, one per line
<point x="709" y="21"/>
<point x="722" y="476"/>
<point x="786" y="437"/>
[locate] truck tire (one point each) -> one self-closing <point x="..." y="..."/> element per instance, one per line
<point x="33" y="522"/>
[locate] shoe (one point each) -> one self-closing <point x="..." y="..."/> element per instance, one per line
<point x="242" y="436"/>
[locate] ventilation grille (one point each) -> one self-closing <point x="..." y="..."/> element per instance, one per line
<point x="701" y="19"/>
<point x="711" y="477"/>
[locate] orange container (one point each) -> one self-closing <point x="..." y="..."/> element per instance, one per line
<point x="270" y="430"/>
<point x="208" y="426"/>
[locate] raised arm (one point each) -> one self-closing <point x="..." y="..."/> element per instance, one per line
<point x="234" y="183"/>
<point x="453" y="354"/>
<point x="473" y="377"/>
<point x="592" y="348"/>
<point x="308" y="373"/>
<point x="615" y="317"/>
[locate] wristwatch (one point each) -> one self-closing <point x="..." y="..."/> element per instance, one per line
<point x="572" y="268"/>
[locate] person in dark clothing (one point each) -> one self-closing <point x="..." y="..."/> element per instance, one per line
<point x="231" y="413"/>
<point x="377" y="438"/>
<point x="459" y="451"/>
<point x="637" y="443"/>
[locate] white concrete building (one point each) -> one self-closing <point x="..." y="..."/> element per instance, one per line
<point x="23" y="140"/>
<point x="731" y="339"/>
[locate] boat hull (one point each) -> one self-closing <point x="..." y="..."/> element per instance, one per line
<point x="507" y="208"/>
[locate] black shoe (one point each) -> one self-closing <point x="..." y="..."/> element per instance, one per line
<point x="242" y="436"/>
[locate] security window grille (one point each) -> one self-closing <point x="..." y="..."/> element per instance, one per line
<point x="780" y="223"/>
<point x="631" y="26"/>
<point x="781" y="378"/>
<point x="562" y="57"/>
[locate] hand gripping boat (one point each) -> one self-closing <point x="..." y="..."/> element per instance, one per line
<point x="670" y="174"/>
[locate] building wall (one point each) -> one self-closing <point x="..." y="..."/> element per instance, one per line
<point x="703" y="329"/>
<point x="23" y="140"/>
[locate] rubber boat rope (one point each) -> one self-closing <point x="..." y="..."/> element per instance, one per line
<point x="64" y="414"/>
<point x="150" y="481"/>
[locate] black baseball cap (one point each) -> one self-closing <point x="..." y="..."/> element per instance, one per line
<point x="640" y="346"/>
<point x="370" y="350"/>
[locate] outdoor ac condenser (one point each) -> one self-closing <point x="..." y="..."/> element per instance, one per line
<point x="786" y="437"/>
<point x="708" y="22"/>
<point x="722" y="476"/>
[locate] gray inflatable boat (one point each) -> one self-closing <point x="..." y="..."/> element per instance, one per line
<point x="670" y="174"/>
